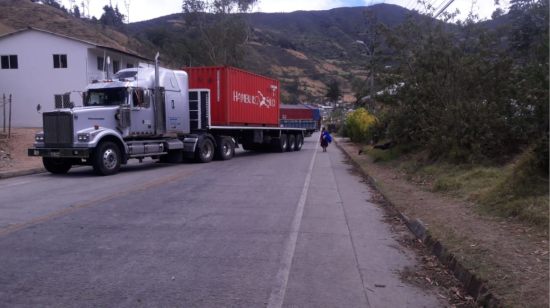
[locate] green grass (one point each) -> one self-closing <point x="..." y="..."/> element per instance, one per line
<point x="514" y="191"/>
<point x="522" y="192"/>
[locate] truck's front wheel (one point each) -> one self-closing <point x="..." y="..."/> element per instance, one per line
<point x="106" y="158"/>
<point x="56" y="165"/>
<point x="205" y="151"/>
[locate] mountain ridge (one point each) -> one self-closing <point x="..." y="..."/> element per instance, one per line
<point x="305" y="50"/>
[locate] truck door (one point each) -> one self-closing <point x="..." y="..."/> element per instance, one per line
<point x="143" y="115"/>
<point x="175" y="112"/>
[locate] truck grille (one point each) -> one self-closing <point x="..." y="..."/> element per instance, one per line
<point x="58" y="129"/>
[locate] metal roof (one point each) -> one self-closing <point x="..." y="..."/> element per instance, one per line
<point x="298" y="106"/>
<point x="78" y="40"/>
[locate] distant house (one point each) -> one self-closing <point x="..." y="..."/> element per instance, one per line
<point x="41" y="67"/>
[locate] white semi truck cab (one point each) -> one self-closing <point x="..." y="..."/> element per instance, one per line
<point x="145" y="112"/>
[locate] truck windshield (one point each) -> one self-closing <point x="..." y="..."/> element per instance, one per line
<point x="107" y="97"/>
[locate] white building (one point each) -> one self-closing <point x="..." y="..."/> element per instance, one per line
<point x="41" y="67"/>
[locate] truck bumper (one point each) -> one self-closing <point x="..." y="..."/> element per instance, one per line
<point x="59" y="153"/>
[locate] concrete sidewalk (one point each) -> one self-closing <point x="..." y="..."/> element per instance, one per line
<point x="15" y="173"/>
<point x="345" y="252"/>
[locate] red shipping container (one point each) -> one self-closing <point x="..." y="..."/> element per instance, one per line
<point x="296" y="112"/>
<point x="237" y="97"/>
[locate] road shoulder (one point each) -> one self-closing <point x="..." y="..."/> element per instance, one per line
<point x="493" y="258"/>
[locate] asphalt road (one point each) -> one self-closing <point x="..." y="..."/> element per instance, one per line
<point x="261" y="230"/>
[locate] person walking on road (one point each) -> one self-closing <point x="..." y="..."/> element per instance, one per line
<point x="325" y="139"/>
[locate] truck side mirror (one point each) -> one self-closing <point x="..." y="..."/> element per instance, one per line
<point x="145" y="98"/>
<point x="138" y="99"/>
<point x="38" y="108"/>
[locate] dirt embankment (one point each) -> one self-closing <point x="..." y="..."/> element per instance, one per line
<point x="13" y="151"/>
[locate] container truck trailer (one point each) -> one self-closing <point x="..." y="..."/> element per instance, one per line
<point x="301" y="116"/>
<point x="169" y="115"/>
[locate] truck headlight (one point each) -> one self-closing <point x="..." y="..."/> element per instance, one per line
<point x="83" y="137"/>
<point x="39" y="137"/>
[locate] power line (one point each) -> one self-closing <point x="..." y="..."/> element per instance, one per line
<point x="417" y="6"/>
<point x="430" y="4"/>
<point x="444" y="8"/>
<point x="406" y="6"/>
<point x="439" y="6"/>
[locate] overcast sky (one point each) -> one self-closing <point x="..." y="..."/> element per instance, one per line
<point x="149" y="9"/>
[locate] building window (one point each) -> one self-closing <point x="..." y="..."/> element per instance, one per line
<point x="59" y="61"/>
<point x="62" y="100"/>
<point x="128" y="65"/>
<point x="116" y="66"/>
<point x="9" y="62"/>
<point x="100" y="62"/>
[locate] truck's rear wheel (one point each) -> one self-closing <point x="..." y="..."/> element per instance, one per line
<point x="299" y="142"/>
<point x="225" y="149"/>
<point x="205" y="151"/>
<point x="291" y="143"/>
<point x="106" y="158"/>
<point x="280" y="144"/>
<point x="56" y="165"/>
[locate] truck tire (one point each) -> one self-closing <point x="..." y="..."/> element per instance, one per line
<point x="280" y="144"/>
<point x="106" y="158"/>
<point x="299" y="142"/>
<point x="291" y="143"/>
<point x="225" y="149"/>
<point x="205" y="151"/>
<point x="56" y="165"/>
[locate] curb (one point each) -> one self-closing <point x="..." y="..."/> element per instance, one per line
<point x="475" y="286"/>
<point x="11" y="174"/>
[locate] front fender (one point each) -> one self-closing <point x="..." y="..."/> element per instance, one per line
<point x="97" y="135"/>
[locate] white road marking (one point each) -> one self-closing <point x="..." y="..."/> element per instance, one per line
<point x="279" y="289"/>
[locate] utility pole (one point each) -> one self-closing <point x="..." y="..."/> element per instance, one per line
<point x="127" y="5"/>
<point x="370" y="45"/>
<point x="371" y="55"/>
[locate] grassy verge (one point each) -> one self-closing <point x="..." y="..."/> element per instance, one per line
<point x="517" y="190"/>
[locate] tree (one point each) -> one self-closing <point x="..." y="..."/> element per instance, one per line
<point x="529" y="46"/>
<point x="333" y="91"/>
<point x="220" y="30"/>
<point x="497" y="13"/>
<point x="76" y="11"/>
<point x="112" y="17"/>
<point x="459" y="97"/>
<point x="529" y="24"/>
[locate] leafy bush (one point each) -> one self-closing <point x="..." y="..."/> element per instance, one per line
<point x="359" y="125"/>
<point x="461" y="98"/>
